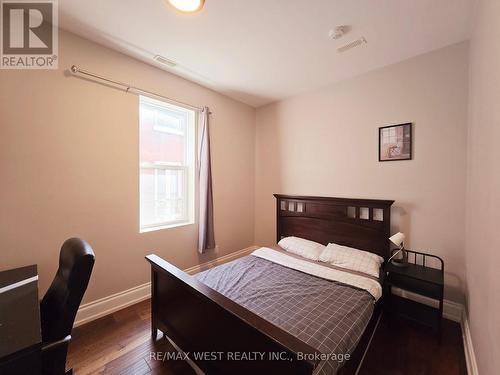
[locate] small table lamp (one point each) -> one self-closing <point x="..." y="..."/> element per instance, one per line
<point x="398" y="240"/>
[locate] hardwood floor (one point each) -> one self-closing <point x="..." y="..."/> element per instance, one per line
<point x="400" y="347"/>
<point x="120" y="343"/>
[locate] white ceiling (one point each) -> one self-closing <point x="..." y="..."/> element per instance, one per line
<point x="259" y="51"/>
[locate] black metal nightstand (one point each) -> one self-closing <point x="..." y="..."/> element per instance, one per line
<point x="420" y="279"/>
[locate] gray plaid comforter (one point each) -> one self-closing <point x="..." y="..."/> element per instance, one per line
<point x="327" y="315"/>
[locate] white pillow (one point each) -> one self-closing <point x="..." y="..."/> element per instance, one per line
<point x="304" y="248"/>
<point x="352" y="259"/>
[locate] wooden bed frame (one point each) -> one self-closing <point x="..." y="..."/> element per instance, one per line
<point x="200" y="320"/>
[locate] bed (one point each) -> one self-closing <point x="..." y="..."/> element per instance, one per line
<point x="256" y="314"/>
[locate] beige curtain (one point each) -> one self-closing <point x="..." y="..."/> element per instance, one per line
<point x="206" y="239"/>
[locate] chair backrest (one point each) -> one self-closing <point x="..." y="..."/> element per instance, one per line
<point x="60" y="304"/>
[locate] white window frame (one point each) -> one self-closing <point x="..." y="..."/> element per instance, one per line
<point x="188" y="168"/>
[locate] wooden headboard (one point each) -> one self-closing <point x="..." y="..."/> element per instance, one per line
<point x="360" y="223"/>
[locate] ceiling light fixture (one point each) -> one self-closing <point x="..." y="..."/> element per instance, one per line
<point x="187" y="6"/>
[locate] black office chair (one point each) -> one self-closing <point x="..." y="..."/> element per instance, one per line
<point x="60" y="304"/>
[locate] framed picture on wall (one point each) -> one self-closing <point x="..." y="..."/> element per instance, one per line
<point x="395" y="142"/>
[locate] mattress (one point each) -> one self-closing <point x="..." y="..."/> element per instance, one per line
<point x="328" y="315"/>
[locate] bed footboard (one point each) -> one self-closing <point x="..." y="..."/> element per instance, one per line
<point x="219" y="335"/>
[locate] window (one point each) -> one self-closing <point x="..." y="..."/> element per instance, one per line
<point x="167" y="157"/>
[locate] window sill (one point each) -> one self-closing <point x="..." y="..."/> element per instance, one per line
<point x="169" y="226"/>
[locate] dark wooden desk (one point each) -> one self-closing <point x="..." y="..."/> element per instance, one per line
<point x="20" y="335"/>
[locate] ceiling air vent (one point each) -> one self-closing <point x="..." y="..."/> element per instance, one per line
<point x="353" y="44"/>
<point x="164" y="61"/>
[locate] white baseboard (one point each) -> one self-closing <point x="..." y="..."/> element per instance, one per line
<point x="108" y="305"/>
<point x="470" y="356"/>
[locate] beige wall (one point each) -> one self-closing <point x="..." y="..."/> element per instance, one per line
<point x="69" y="167"/>
<point x="69" y="149"/>
<point x="483" y="188"/>
<point x="326" y="142"/>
